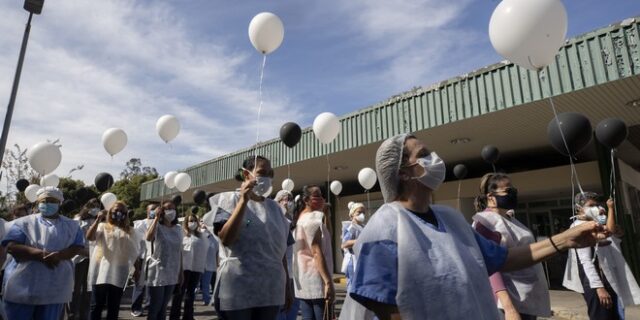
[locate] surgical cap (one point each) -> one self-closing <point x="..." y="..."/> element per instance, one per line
<point x="353" y="206"/>
<point x="50" y="192"/>
<point x="581" y="198"/>
<point x="282" y="194"/>
<point x="388" y="162"/>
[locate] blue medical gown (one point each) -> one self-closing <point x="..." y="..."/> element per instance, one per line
<point x="376" y="276"/>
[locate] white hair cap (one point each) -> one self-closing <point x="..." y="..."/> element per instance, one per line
<point x="353" y="206"/>
<point x="281" y="194"/>
<point x="50" y="192"/>
<point x="388" y="162"/>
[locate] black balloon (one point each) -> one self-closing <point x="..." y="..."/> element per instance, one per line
<point x="290" y="134"/>
<point x="611" y="132"/>
<point x="199" y="196"/>
<point x="490" y="154"/>
<point x="22" y="184"/>
<point x="177" y="199"/>
<point x="576" y="129"/>
<point x="194" y="209"/>
<point x="460" y="171"/>
<point x="103" y="181"/>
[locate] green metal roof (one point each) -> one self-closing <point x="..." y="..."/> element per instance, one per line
<point x="598" y="57"/>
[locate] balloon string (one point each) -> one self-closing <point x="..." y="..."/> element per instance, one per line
<point x="459" y="185"/>
<point x="368" y="200"/>
<point x="328" y="178"/>
<point x="574" y="171"/>
<point x="612" y="177"/>
<point x="288" y="171"/>
<point x="264" y="62"/>
<point x="494" y="167"/>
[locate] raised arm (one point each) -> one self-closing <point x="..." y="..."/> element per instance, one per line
<point x="91" y="232"/>
<point x="231" y="229"/>
<point x="583" y="235"/>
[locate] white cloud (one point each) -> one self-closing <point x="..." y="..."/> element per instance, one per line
<point x="92" y="65"/>
<point x="413" y="42"/>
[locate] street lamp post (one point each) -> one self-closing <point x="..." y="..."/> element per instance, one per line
<point x="34" y="7"/>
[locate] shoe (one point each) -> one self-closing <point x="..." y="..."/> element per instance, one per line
<point x="136" y="313"/>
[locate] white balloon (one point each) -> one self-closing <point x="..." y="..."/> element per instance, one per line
<point x="168" y="127"/>
<point x="266" y="32"/>
<point x="44" y="157"/>
<point x="31" y="192"/>
<point x="326" y="127"/>
<point x="288" y="185"/>
<point x="182" y="181"/>
<point x="169" y="179"/>
<point x="529" y="33"/>
<point x="367" y="178"/>
<point x="336" y="187"/>
<point x="50" y="180"/>
<point x="114" y="140"/>
<point x="108" y="199"/>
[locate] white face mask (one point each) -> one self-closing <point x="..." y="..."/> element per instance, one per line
<point x="592" y="212"/>
<point x="193" y="226"/>
<point x="263" y="186"/>
<point x="94" y="212"/>
<point x="170" y="214"/>
<point x="434" y="171"/>
<point x="360" y="218"/>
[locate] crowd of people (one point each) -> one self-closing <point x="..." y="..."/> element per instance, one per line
<point x="273" y="258"/>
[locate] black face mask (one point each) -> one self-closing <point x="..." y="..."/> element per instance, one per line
<point x="119" y="216"/>
<point x="509" y="201"/>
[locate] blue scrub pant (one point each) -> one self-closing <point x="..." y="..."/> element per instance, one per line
<point x="31" y="311"/>
<point x="205" y="286"/>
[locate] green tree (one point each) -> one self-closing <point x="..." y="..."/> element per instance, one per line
<point x="127" y="189"/>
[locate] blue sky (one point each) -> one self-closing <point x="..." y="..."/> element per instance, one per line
<point x="92" y="65"/>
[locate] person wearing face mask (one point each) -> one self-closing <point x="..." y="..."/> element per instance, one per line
<point x="39" y="279"/>
<point x="194" y="255"/>
<point x="140" y="294"/>
<point x="350" y="232"/>
<point x="600" y="272"/>
<point x="285" y="199"/>
<point x="116" y="249"/>
<point x="164" y="259"/>
<point x="253" y="233"/>
<point x="416" y="260"/>
<point x="79" y="306"/>
<point x="521" y="294"/>
<point x="312" y="257"/>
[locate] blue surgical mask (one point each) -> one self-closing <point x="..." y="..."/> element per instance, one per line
<point x="48" y="209"/>
<point x="152" y="214"/>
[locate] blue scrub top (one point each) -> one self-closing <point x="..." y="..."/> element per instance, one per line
<point x="380" y="281"/>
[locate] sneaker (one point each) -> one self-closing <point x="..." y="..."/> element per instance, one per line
<point x="136" y="313"/>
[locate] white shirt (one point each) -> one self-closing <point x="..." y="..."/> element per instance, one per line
<point x="307" y="278"/>
<point x="115" y="252"/>
<point x="194" y="252"/>
<point x="164" y="256"/>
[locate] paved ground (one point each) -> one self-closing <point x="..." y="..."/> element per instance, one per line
<point x="566" y="305"/>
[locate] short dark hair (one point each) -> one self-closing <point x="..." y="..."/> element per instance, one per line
<point x="248" y="164"/>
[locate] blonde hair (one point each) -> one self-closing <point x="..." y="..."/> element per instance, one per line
<point x="125" y="223"/>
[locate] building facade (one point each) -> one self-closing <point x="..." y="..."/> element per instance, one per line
<point x="596" y="74"/>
